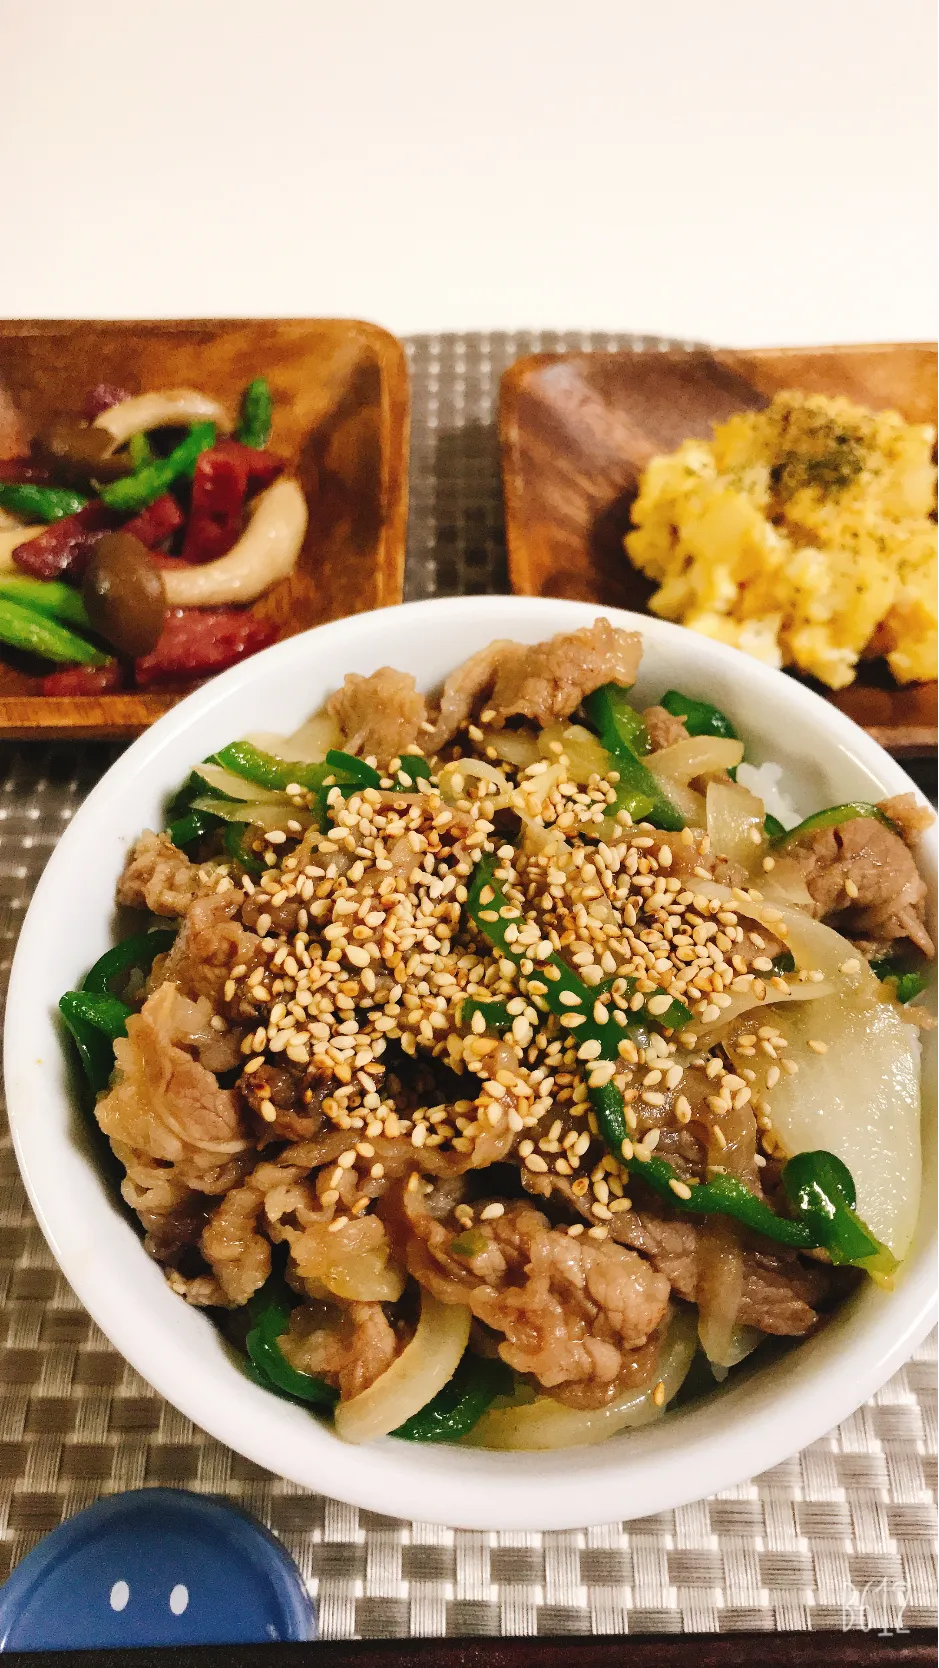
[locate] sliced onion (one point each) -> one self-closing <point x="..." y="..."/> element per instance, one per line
<point x="481" y="768"/>
<point x="308" y="745"/>
<point x="813" y="944"/>
<point x="162" y="408"/>
<point x="688" y="804"/>
<point x="719" y="1287"/>
<point x="516" y="747"/>
<point x="261" y="813"/>
<point x="547" y="1424"/>
<point x="585" y="757"/>
<point x="733" y="816"/>
<point x="859" y="1099"/>
<point x="785" y="884"/>
<point x="314" y="739"/>
<point x="538" y="788"/>
<point x="696" y="756"/>
<point x="422" y="1368"/>
<point x="235" y="787"/>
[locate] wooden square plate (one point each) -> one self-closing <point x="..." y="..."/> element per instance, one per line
<point x="577" y="429"/>
<point x="340" y="417"/>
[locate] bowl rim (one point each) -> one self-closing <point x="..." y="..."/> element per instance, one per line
<point x="471" y="1488"/>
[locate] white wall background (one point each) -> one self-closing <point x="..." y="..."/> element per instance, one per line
<point x="745" y="171"/>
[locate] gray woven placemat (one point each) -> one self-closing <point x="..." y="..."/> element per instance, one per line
<point x="841" y="1535"/>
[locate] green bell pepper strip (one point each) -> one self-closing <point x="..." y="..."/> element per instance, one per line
<point x="185" y="824"/>
<point x="701" y="718"/>
<point x="639" y="792"/>
<point x="24" y="628"/>
<point x="832" y="817"/>
<point x="496" y="1015"/>
<point x="193" y="826"/>
<point x="40" y="503"/>
<point x="135" y="492"/>
<point x="105" y="1012"/>
<point x="140" y="951"/>
<point x="47" y="596"/>
<point x="267" y="771"/>
<point x="774" y="829"/>
<point x="257" y="411"/>
<point x="611" y="713"/>
<point x="235" y="841"/>
<point x="821" y="1187"/>
<point x="555" y="974"/>
<point x="270" y="1315"/>
<point x="140" y="450"/>
<point x="461" y="1403"/>
<point x="723" y="1194"/>
<point x="908" y="982"/>
<point x="909" y="986"/>
<point x="94" y="1021"/>
<point x="414" y="766"/>
<point x="349" y="771"/>
<point x="94" y="1048"/>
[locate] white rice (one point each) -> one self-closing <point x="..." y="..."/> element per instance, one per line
<point x="765" y="781"/>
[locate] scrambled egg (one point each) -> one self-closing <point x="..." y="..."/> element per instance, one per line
<point x="801" y="534"/>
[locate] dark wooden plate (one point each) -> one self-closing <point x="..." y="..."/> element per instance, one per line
<point x="341" y="418"/>
<point x="577" y="429"/>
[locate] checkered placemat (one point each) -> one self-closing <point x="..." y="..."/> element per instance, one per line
<point x="841" y="1535"/>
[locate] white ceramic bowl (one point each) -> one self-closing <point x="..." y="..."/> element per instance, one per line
<point x="737" y="1432"/>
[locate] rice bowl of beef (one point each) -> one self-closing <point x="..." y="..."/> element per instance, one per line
<point x="455" y="1094"/>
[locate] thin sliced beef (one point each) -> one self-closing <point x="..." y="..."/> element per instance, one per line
<point x="863" y="879"/>
<point x="158" y="877"/>
<point x="211" y="942"/>
<point x="545" y="682"/>
<point x="571" y="1311"/>
<point x="174" y="1130"/>
<point x="664" y="728"/>
<point x="465" y="688"/>
<point x="380" y="716"/>
<point x="911" y="816"/>
<point x="780" y="1292"/>
<point x="239" y="1256"/>
<point x="349" y="1348"/>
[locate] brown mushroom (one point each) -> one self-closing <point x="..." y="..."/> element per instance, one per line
<point x="79" y="452"/>
<point x="124" y="594"/>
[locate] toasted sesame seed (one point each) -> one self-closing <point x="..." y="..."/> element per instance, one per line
<point x="818" y="1047"/>
<point x="679" y="1188"/>
<point x="658" y="1394"/>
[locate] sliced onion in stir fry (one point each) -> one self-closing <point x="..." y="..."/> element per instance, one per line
<point x="584" y="754"/>
<point x="480" y="768"/>
<point x="719" y="1288"/>
<point x="310" y="744"/>
<point x="734" y="816"/>
<point x="696" y="756"/>
<point x="516" y="747"/>
<point x="856" y="1095"/>
<point x="423" y="1367"/>
<point x="235" y="787"/>
<point x="261" y="813"/>
<point x="813" y="944"/>
<point x="547" y="1424"/>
